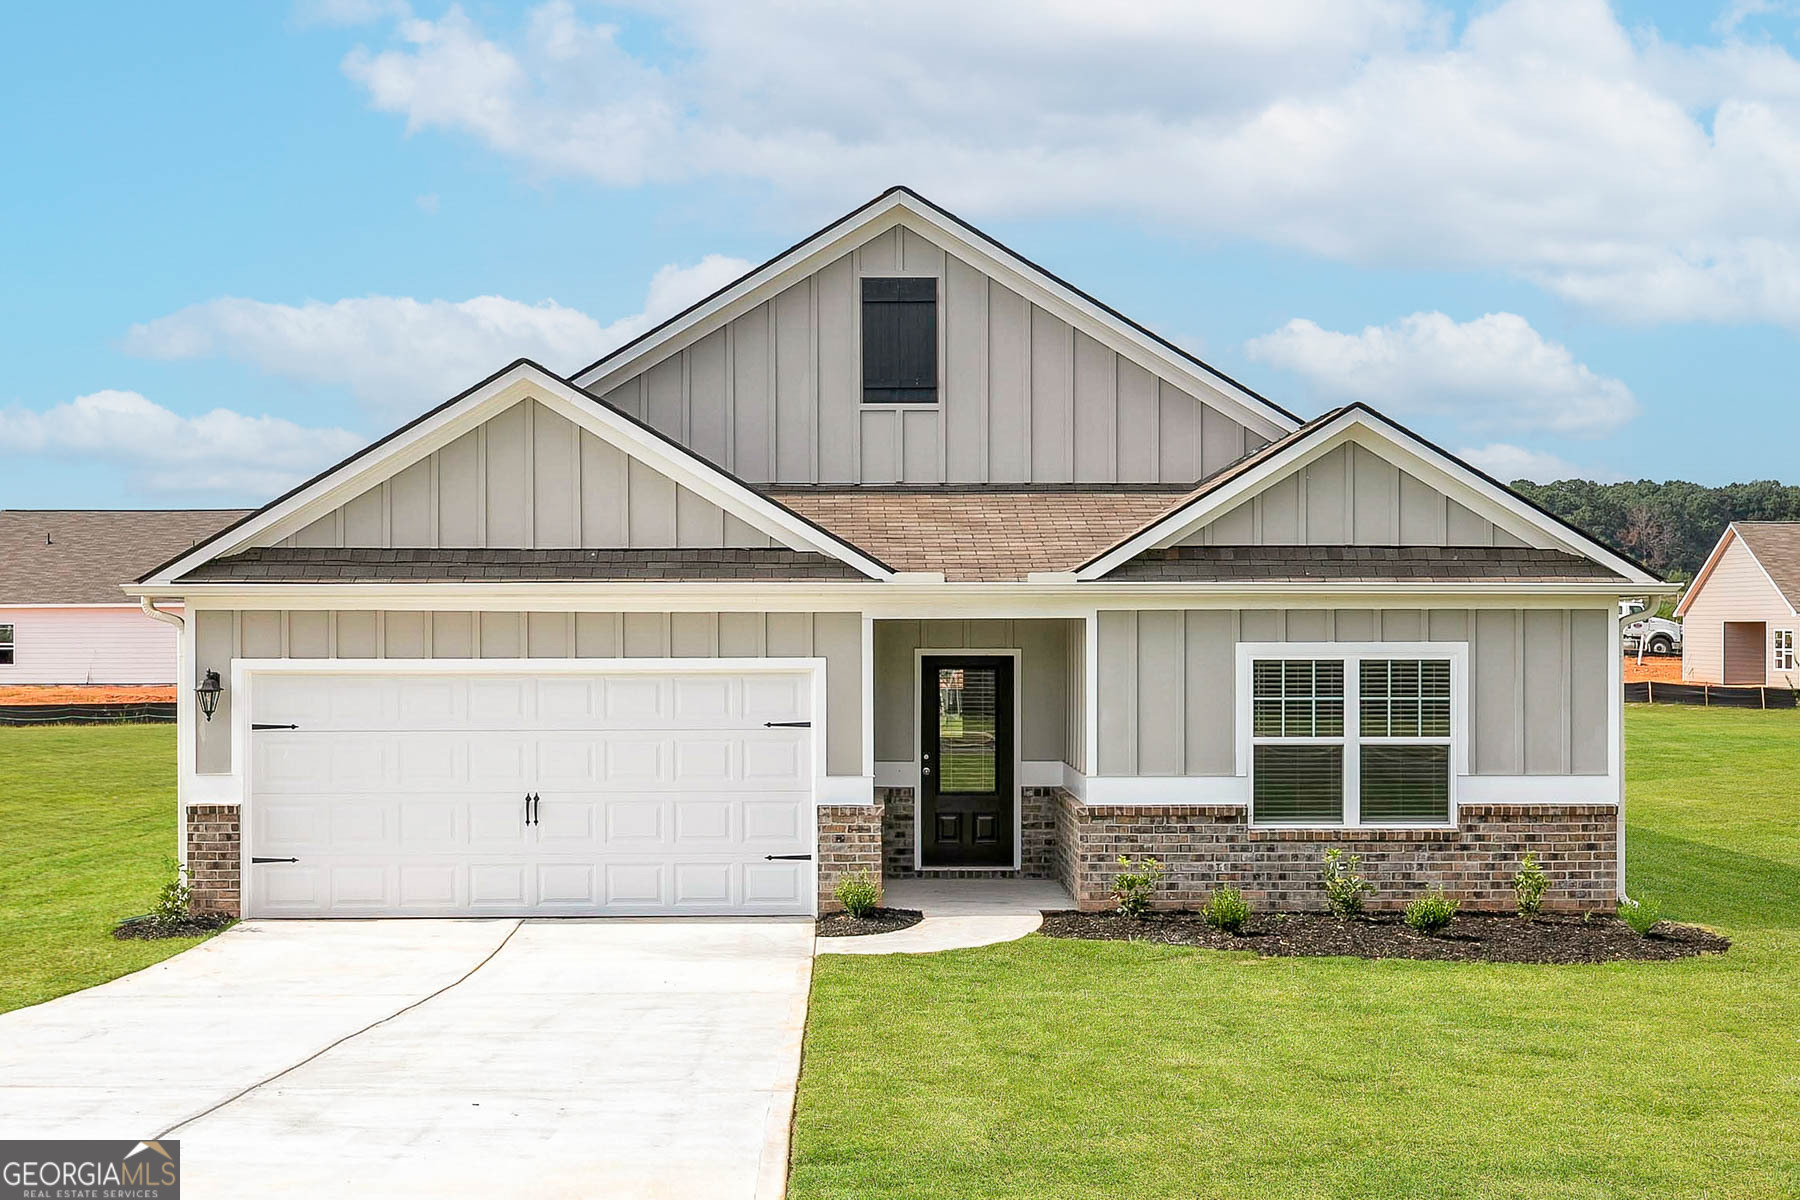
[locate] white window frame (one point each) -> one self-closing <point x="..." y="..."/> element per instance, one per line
<point x="10" y="643"/>
<point x="1781" y="650"/>
<point x="1352" y="655"/>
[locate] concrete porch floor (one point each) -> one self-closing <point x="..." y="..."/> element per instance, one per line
<point x="959" y="913"/>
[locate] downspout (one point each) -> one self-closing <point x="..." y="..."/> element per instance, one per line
<point x="1619" y="699"/>
<point x="168" y="618"/>
<point x="180" y="624"/>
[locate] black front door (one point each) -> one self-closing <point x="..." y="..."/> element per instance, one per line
<point x="966" y="761"/>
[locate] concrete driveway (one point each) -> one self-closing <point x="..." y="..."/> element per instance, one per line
<point x="480" y="1058"/>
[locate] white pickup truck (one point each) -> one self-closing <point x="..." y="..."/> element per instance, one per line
<point x="1656" y="634"/>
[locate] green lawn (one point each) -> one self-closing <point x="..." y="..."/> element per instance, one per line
<point x="89" y="815"/>
<point x="1090" y="1069"/>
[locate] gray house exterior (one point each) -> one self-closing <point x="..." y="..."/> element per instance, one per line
<point x="898" y="554"/>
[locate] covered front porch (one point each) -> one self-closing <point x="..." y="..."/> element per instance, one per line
<point x="978" y="731"/>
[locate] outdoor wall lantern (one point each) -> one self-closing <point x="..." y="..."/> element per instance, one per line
<point x="208" y="693"/>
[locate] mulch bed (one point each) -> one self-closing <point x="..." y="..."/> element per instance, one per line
<point x="879" y="920"/>
<point x="144" y="930"/>
<point x="1471" y="937"/>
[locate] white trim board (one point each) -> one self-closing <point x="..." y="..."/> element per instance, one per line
<point x="522" y="381"/>
<point x="1405" y="450"/>
<point x="899" y="207"/>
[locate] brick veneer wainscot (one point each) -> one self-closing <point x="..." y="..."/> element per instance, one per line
<point x="1208" y="846"/>
<point x="1037" y="848"/>
<point x="849" y="841"/>
<point x="214" y="860"/>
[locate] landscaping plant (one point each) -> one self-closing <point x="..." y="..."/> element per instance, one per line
<point x="1529" y="886"/>
<point x="1430" y="913"/>
<point x="1346" y="891"/>
<point x="1135" y="884"/>
<point x="858" y="893"/>
<point x="1641" y="915"/>
<point x="1227" y="910"/>
<point x="172" y="901"/>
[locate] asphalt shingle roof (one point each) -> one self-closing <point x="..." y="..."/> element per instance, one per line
<point x="317" y="564"/>
<point x="1776" y="545"/>
<point x="981" y="533"/>
<point x="81" y="556"/>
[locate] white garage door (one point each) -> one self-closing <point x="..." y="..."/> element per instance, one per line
<point x="554" y="794"/>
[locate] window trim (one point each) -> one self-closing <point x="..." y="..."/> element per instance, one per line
<point x="1352" y="654"/>
<point x="1777" y="650"/>
<point x="934" y="405"/>
<point x="10" y="644"/>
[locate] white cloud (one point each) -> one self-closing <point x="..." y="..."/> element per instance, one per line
<point x="1493" y="373"/>
<point x="1648" y="180"/>
<point x="398" y="354"/>
<point x="1507" y="462"/>
<point x="216" y="452"/>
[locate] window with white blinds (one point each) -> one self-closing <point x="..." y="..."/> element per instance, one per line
<point x="1352" y="739"/>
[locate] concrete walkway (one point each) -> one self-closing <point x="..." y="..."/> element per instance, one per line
<point x="543" y="1059"/>
<point x="959" y="913"/>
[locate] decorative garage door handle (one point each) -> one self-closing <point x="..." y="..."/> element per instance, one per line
<point x="787" y="857"/>
<point x="255" y="859"/>
<point x="254" y="725"/>
<point x="787" y="724"/>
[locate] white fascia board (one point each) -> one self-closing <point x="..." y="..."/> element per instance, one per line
<point x="977" y="249"/>
<point x="1426" y="464"/>
<point x="520" y="382"/>
<point x="888" y="601"/>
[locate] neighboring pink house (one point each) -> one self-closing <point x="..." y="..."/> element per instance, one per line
<point x="1740" y="615"/>
<point x="63" y="619"/>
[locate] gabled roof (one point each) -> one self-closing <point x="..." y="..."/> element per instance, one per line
<point x="1489" y="497"/>
<point x="81" y="556"/>
<point x="327" y="565"/>
<point x="902" y="205"/>
<point x="449" y="420"/>
<point x="1775" y="545"/>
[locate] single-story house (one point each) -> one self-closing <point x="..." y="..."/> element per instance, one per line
<point x="898" y="554"/>
<point x="1739" y="614"/>
<point x="63" y="619"/>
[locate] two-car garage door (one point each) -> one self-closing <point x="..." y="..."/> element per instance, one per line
<point x="630" y="793"/>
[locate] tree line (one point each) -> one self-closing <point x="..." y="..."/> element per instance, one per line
<point x="1670" y="527"/>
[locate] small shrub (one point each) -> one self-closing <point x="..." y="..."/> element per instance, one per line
<point x="858" y="893"/>
<point x="1641" y="915"/>
<point x="1430" y="913"/>
<point x="1227" y="910"/>
<point x="1135" y="884"/>
<point x="1529" y="886"/>
<point x="1346" y="891"/>
<point x="172" y="901"/>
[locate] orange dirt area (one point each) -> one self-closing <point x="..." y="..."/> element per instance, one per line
<point x="1659" y="668"/>
<point x="86" y="693"/>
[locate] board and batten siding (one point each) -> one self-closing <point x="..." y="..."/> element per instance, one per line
<point x="1737" y="589"/>
<point x="1352" y="496"/>
<point x="1045" y="706"/>
<point x="221" y="635"/>
<point x="775" y="395"/>
<point x="1538" y="687"/>
<point x="529" y="478"/>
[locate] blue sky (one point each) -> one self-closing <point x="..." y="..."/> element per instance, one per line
<point x="242" y="239"/>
